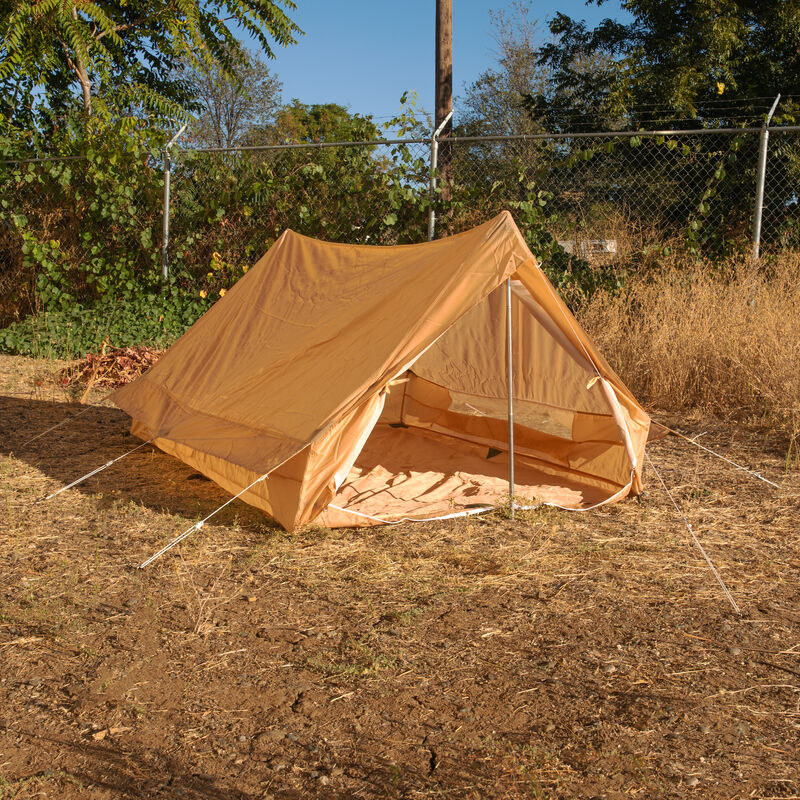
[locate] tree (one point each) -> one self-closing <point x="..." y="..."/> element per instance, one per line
<point x="681" y="62"/>
<point x="328" y="122"/>
<point x="230" y="107"/>
<point x="127" y="52"/>
<point x="494" y="103"/>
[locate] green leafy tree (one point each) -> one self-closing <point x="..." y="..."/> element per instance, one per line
<point x="298" y="122"/>
<point x="125" y="52"/>
<point x="679" y="65"/>
<point x="683" y="62"/>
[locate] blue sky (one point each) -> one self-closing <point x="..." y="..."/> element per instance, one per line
<point x="363" y="54"/>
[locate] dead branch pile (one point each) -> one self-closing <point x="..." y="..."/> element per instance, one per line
<point x="111" y="367"/>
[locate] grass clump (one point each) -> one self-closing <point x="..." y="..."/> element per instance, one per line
<point x="709" y="337"/>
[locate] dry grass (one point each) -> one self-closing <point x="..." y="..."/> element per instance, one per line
<point x="719" y="339"/>
<point x="558" y="656"/>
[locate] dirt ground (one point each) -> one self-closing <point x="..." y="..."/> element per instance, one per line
<point x="562" y="655"/>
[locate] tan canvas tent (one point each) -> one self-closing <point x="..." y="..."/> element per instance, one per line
<point x="369" y="384"/>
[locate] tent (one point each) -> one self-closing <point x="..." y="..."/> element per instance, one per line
<point x="352" y="385"/>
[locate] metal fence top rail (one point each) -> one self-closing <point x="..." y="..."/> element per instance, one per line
<point x="497" y="138"/>
<point x="618" y="134"/>
<point x="304" y="145"/>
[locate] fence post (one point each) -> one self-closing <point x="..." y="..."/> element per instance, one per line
<point x="434" y="161"/>
<point x="760" y="179"/>
<point x="165" y="229"/>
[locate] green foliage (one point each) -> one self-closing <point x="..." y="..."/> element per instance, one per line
<point x="146" y="318"/>
<point x="328" y="122"/>
<point x="573" y="277"/>
<point x="89" y="228"/>
<point x="124" y="55"/>
<point x="674" y="60"/>
<point x="229" y="208"/>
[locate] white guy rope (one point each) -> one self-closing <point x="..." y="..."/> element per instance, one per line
<point x="97" y="469"/>
<point x="692" y="533"/>
<point x="750" y="472"/>
<point x="198" y="525"/>
<point x="59" y="424"/>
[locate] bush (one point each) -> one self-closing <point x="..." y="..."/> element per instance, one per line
<point x="147" y="318"/>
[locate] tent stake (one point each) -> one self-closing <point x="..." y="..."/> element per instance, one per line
<point x="510" y="371"/>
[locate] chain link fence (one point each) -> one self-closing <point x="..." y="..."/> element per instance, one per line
<point x="606" y="197"/>
<point x="235" y="203"/>
<point x="622" y="197"/>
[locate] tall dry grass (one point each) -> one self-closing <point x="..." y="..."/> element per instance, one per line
<point x="723" y="338"/>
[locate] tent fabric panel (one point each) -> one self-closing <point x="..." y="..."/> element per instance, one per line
<point x="538" y="286"/>
<point x="334" y="453"/>
<point x="471" y="358"/>
<point x="231" y="477"/>
<point x="594" y="445"/>
<point x="153" y="406"/>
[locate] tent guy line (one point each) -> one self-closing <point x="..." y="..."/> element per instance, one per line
<point x="65" y="421"/>
<point x="96" y="470"/>
<point x="694" y="537"/>
<point x="198" y="525"/>
<point x="750" y="472"/>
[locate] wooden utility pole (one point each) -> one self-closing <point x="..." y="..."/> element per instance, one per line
<point x="444" y="88"/>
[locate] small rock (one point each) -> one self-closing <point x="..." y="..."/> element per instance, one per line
<point x="264" y="739"/>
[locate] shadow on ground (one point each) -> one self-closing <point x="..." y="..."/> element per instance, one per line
<point x="95" y="435"/>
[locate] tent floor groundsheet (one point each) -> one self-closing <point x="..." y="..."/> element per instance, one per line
<point x="410" y="472"/>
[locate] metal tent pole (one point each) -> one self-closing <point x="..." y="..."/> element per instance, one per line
<point x="434" y="164"/>
<point x="510" y="375"/>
